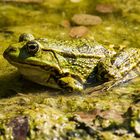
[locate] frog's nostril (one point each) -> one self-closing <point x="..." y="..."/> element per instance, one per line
<point x="9" y="49"/>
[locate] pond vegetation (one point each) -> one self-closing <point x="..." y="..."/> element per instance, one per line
<point x="31" y="111"/>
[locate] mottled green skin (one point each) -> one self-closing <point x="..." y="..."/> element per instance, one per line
<point x="71" y="64"/>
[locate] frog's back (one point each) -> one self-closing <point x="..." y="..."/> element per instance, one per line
<point x="77" y="57"/>
<point x="78" y="48"/>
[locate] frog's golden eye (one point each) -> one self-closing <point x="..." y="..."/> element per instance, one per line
<point x="32" y="47"/>
<point x="26" y="37"/>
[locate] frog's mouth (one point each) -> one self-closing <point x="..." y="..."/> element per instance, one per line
<point x="21" y="65"/>
<point x="10" y="55"/>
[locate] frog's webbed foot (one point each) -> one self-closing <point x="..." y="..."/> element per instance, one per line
<point x="107" y="86"/>
<point x="110" y="85"/>
<point x="100" y="88"/>
<point x="70" y="84"/>
<point x="117" y="82"/>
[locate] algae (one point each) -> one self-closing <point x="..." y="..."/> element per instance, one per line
<point x="30" y="111"/>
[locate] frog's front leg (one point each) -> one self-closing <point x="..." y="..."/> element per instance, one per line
<point x="70" y="84"/>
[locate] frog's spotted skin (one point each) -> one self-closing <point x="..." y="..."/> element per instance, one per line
<point x="71" y="64"/>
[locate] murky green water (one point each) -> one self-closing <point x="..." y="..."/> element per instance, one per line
<point x="121" y="27"/>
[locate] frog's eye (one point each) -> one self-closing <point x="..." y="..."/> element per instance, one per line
<point x="26" y="37"/>
<point x="32" y="47"/>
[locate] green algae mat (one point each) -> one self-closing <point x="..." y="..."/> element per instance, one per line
<point x="33" y="112"/>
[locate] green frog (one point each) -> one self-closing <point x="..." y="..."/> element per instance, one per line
<point x="72" y="64"/>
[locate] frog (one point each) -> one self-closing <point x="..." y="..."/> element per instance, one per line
<point x="72" y="65"/>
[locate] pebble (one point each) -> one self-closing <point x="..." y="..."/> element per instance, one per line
<point x="75" y="1"/>
<point x="65" y="23"/>
<point x="77" y="32"/>
<point x="104" y="8"/>
<point x="24" y="1"/>
<point x="86" y="19"/>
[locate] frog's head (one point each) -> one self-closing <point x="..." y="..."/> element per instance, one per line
<point x="32" y="60"/>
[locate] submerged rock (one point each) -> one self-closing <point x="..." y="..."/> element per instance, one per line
<point x="86" y="19"/>
<point x="24" y="1"/>
<point x="79" y="31"/>
<point x="104" y="8"/>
